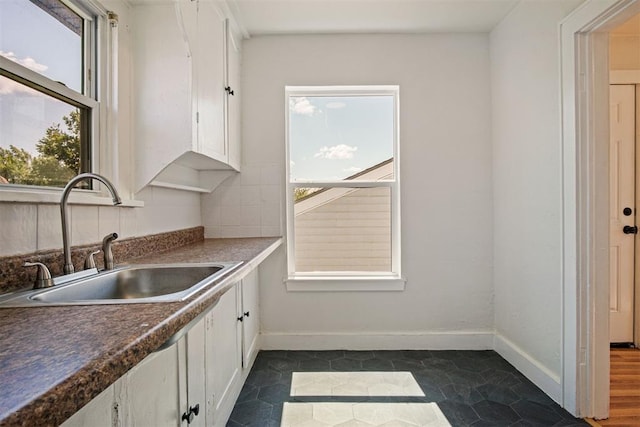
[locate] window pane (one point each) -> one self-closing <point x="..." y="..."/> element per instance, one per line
<point x="343" y="229"/>
<point x="339" y="137"/>
<point x="44" y="36"/>
<point x="39" y="137"/>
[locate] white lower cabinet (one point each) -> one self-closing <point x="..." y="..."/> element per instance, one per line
<point x="251" y="319"/>
<point x="153" y="393"/>
<point x="195" y="411"/>
<point x="233" y="328"/>
<point x="195" y="381"/>
<point x="223" y="370"/>
<point x="100" y="412"/>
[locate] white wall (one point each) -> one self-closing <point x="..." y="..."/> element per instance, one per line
<point x="527" y="185"/>
<point x="446" y="188"/>
<point x="28" y="227"/>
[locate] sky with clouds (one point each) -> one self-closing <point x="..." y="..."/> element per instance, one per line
<point x="332" y="138"/>
<point x="31" y="37"/>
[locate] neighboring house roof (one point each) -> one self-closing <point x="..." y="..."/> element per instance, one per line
<point x="378" y="172"/>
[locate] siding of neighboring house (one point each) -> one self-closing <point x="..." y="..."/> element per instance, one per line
<point x="350" y="231"/>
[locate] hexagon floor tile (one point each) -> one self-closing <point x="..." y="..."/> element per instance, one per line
<point x="391" y="388"/>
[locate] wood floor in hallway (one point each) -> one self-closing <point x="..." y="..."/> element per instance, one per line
<point x="624" y="407"/>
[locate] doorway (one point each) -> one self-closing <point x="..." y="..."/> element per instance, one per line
<point x="588" y="210"/>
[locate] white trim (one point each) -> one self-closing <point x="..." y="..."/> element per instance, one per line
<point x="333" y="91"/>
<point x="419" y="340"/>
<point x="157" y="183"/>
<point x="535" y="371"/>
<point x="43" y="195"/>
<point x="345" y="284"/>
<point x="51" y="88"/>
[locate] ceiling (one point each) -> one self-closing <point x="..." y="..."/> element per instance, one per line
<point x="263" y="17"/>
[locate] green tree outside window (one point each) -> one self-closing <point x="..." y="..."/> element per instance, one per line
<point x="58" y="158"/>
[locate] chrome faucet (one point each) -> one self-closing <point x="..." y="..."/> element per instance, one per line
<point x="66" y="247"/>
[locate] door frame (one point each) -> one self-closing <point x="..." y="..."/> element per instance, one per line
<point x="585" y="129"/>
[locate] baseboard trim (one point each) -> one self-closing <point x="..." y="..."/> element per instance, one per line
<point x="529" y="367"/>
<point x="454" y="340"/>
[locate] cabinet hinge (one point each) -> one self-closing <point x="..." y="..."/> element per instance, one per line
<point x="115" y="412"/>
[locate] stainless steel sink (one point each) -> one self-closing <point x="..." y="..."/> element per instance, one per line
<point x="132" y="284"/>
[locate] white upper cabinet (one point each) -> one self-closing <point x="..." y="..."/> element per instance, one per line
<point x="183" y="118"/>
<point x="208" y="68"/>
<point x="233" y="46"/>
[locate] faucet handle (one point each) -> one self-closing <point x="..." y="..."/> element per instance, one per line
<point x="89" y="262"/>
<point x="106" y="250"/>
<point x="43" y="276"/>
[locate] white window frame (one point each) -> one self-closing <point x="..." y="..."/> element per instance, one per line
<point x="98" y="74"/>
<point x="344" y="280"/>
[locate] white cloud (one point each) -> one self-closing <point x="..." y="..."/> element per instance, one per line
<point x="28" y="62"/>
<point x="302" y="106"/>
<point x="8" y="86"/>
<point x="352" y="169"/>
<point x="341" y="151"/>
<point x="336" y="105"/>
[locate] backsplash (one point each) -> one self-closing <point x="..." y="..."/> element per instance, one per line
<point x="14" y="276"/>
<point x="248" y="204"/>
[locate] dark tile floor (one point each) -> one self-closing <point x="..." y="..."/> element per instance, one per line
<point x="471" y="388"/>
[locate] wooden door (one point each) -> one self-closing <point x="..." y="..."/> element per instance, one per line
<point x="622" y="212"/>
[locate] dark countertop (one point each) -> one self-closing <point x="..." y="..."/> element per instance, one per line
<point x="54" y="360"/>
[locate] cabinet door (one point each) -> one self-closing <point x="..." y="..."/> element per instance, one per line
<point x="196" y="392"/>
<point x="100" y="412"/>
<point x="233" y="45"/>
<point x="209" y="81"/>
<point x="251" y="314"/>
<point x="155" y="389"/>
<point x="163" y="94"/>
<point x="223" y="370"/>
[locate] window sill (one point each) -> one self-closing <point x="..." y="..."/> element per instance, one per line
<point x="52" y="196"/>
<point x="345" y="283"/>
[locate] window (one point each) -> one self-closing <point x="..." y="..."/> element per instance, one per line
<point x="343" y="187"/>
<point x="48" y="108"/>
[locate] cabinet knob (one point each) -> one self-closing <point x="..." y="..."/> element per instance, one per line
<point x="193" y="412"/>
<point x="246" y="314"/>
<point x="241" y="318"/>
<point x="228" y="90"/>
